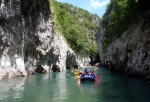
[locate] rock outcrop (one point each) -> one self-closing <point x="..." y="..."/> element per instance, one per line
<point x="28" y="42"/>
<point x="131" y="53"/>
<point x="100" y="40"/>
<point x="22" y="22"/>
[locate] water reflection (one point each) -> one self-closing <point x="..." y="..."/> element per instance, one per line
<point x="63" y="87"/>
<point x="12" y="88"/>
<point x="89" y="86"/>
<point x="59" y="89"/>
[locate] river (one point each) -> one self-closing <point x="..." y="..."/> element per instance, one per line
<point x="63" y="87"/>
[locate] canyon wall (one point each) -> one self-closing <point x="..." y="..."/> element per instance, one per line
<point x="130" y="54"/>
<point x="28" y="42"/>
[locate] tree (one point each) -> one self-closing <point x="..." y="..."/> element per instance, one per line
<point x="80" y="34"/>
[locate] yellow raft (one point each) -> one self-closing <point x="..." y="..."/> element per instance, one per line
<point x="75" y="72"/>
<point x="95" y="68"/>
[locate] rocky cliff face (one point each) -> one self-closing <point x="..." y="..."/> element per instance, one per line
<point x="28" y="42"/>
<point x="23" y="22"/>
<point x="100" y="40"/>
<point x="131" y="53"/>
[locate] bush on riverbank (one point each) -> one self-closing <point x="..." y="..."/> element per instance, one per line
<point x="119" y="16"/>
<point x="78" y="26"/>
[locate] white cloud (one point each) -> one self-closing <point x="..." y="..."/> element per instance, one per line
<point x="97" y="4"/>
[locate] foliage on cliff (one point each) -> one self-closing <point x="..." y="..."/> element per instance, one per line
<point x="119" y="16"/>
<point x="78" y="26"/>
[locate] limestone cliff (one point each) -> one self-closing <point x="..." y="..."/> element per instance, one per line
<point x="131" y="53"/>
<point x="28" y="42"/>
<point x="22" y="22"/>
<point x="100" y="41"/>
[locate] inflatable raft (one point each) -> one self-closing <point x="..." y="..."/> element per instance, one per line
<point x="87" y="77"/>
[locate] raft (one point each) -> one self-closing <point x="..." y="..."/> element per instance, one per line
<point x="74" y="72"/>
<point x="87" y="77"/>
<point x="95" y="68"/>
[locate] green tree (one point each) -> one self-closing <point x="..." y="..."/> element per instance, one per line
<point x="77" y="26"/>
<point x="119" y="16"/>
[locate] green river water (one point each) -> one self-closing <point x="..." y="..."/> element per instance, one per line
<point x="63" y="87"/>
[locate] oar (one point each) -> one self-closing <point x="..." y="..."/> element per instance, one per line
<point x="78" y="81"/>
<point x="95" y="81"/>
<point x="98" y="77"/>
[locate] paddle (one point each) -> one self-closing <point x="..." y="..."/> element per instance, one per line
<point x="98" y="77"/>
<point x="78" y="81"/>
<point x="96" y="80"/>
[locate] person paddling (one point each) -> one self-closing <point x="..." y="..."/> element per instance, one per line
<point x="93" y="73"/>
<point x="86" y="71"/>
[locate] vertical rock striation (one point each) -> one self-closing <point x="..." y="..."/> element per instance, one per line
<point x="28" y="42"/>
<point x="100" y="41"/>
<point x="21" y="22"/>
<point x="131" y="53"/>
<point x="11" y="39"/>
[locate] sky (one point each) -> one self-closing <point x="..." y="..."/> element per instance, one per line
<point x="93" y="6"/>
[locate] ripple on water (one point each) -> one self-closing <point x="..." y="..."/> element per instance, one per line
<point x="63" y="87"/>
